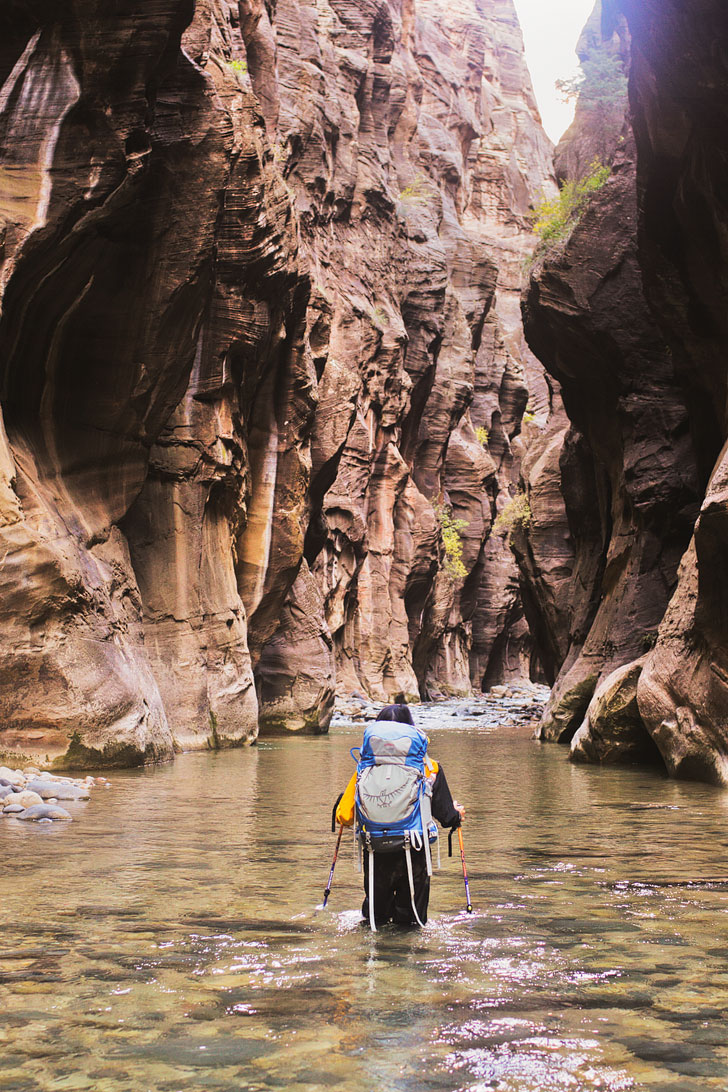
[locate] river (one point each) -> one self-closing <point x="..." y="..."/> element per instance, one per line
<point x="168" y="938"/>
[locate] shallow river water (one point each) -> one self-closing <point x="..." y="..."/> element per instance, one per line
<point x="168" y="938"/>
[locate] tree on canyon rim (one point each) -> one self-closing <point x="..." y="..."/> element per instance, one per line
<point x="601" y="90"/>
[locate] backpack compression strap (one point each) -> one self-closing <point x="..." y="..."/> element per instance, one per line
<point x="371" y="888"/>
<point x="411" y="879"/>
<point x="426" y="819"/>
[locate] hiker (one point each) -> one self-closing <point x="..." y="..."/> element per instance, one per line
<point x="394" y="793"/>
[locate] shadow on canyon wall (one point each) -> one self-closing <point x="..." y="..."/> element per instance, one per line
<point x="629" y="314"/>
<point x="271" y="430"/>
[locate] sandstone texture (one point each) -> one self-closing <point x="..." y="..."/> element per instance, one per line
<point x="629" y="314"/>
<point x="409" y="137"/>
<point x="151" y="291"/>
<point x="613" y="730"/>
<point x="260" y="273"/>
<point x="679" y="91"/>
<point x="628" y="475"/>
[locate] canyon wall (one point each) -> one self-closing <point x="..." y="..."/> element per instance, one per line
<point x="629" y="314"/>
<point x="413" y="150"/>
<point x="260" y="278"/>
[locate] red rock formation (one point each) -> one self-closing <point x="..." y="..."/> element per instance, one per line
<point x="628" y="474"/>
<point x="396" y="127"/>
<point x="679" y="91"/>
<point x="260" y="270"/>
<point x="636" y="333"/>
<point x="151" y="288"/>
<point x="604" y="54"/>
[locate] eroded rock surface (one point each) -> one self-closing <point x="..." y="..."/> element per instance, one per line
<point x="631" y="318"/>
<point x="397" y="126"/>
<point x="260" y="276"/>
<point x="613" y="730"/>
<point x="151" y="281"/>
<point x="678" y="93"/>
<point x="628" y="473"/>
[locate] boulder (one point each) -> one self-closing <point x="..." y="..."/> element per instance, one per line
<point x="613" y="731"/>
<point x="27" y="798"/>
<point x="45" y="811"/>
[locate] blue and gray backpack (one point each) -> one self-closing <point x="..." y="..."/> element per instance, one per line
<point x="393" y="796"/>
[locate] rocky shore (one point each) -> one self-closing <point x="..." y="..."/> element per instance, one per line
<point x="40" y="796"/>
<point x="519" y="703"/>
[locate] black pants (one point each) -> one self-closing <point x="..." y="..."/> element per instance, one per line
<point x="392" y="899"/>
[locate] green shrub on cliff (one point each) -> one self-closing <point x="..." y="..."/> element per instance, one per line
<point x="517" y="513"/>
<point x="450" y="530"/>
<point x="554" y="219"/>
<point x="417" y="191"/>
<point x="413" y="198"/>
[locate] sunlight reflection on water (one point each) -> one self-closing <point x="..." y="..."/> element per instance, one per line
<point x="168" y="939"/>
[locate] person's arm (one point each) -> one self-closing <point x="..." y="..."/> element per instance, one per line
<point x="443" y="805"/>
<point x="345" y="806"/>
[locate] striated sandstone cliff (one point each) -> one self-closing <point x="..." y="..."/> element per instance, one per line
<point x="679" y="92"/>
<point x="629" y="315"/>
<point x="151" y="287"/>
<point x="627" y="470"/>
<point x="412" y="145"/>
<point x="260" y="272"/>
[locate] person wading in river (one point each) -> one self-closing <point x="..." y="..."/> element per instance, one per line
<point x="394" y="794"/>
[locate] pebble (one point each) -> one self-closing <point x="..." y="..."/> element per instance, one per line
<point x="13" y="809"/>
<point x="59" y="790"/>
<point x="26" y="799"/>
<point x="44" y="811"/>
<point x="517" y="703"/>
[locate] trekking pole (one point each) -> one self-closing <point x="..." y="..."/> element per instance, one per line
<point x="327" y="892"/>
<point x="465" y="871"/>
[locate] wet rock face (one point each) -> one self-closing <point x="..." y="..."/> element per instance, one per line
<point x="679" y="92"/>
<point x="260" y="272"/>
<point x="613" y="730"/>
<point x="629" y="476"/>
<point x="150" y="281"/>
<point x="653" y="445"/>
